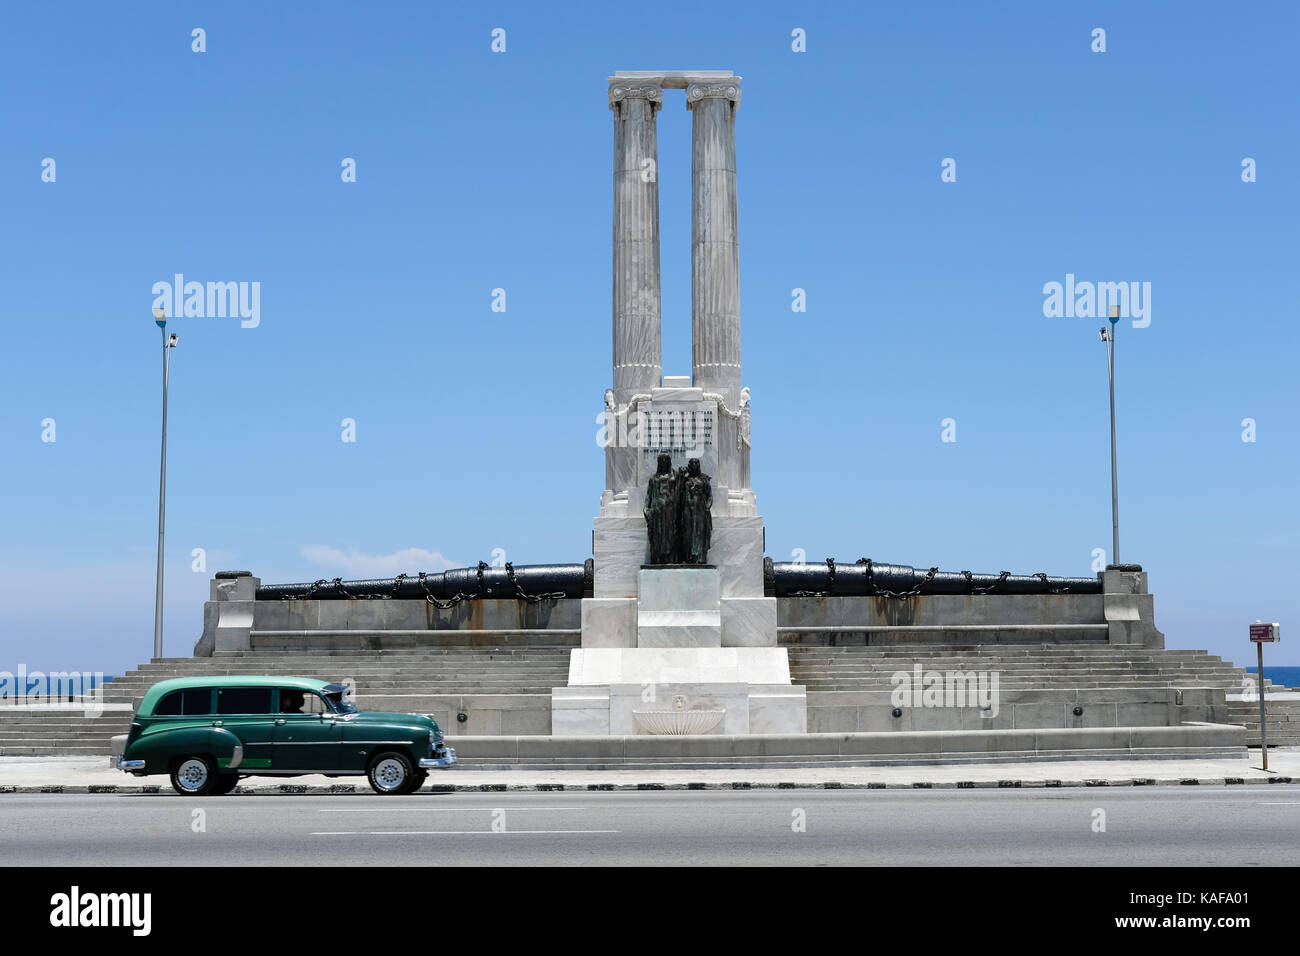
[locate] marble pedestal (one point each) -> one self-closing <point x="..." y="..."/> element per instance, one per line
<point x="621" y="708"/>
<point x="679" y="607"/>
<point x="679" y="645"/>
<point x="608" y="687"/>
<point x="621" y="549"/>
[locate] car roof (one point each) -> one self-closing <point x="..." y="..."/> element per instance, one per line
<point x="224" y="681"/>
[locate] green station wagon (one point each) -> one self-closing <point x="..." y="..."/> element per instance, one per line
<point x="207" y="732"/>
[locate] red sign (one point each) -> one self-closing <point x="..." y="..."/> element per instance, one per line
<point x="1265" y="633"/>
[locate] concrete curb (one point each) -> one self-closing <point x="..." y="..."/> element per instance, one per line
<point x="348" y="788"/>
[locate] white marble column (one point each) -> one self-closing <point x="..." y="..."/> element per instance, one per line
<point x="715" y="260"/>
<point x="638" y="354"/>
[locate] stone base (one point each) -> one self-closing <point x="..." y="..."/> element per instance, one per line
<point x="671" y="610"/>
<point x="622" y="709"/>
<point x="1130" y="609"/>
<point x="607" y="686"/>
<point x="609" y="622"/>
<point x="678" y="607"/>
<point x="591" y="666"/>
<point x="620" y="547"/>
<point x="749" y="622"/>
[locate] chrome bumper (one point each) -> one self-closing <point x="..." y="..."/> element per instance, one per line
<point x="430" y="763"/>
<point x="127" y="765"/>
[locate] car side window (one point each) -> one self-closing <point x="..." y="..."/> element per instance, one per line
<point x="294" y="701"/>
<point x="196" y="701"/>
<point x="244" y="700"/>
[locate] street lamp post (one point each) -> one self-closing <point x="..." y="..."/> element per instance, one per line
<point x="1108" y="336"/>
<point x="169" y="342"/>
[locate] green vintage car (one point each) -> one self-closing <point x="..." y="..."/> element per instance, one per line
<point x="207" y="732"/>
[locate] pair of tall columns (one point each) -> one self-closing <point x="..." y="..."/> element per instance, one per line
<point x="715" y="262"/>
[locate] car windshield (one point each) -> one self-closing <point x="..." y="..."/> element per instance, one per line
<point x="340" y="705"/>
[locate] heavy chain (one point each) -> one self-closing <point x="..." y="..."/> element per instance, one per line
<point x="830" y="584"/>
<point x="422" y="580"/>
<point x="985" y="590"/>
<point x="1042" y="576"/>
<point x="897" y="595"/>
<point x="459" y="596"/>
<point x="523" y="595"/>
<point x="316" y="586"/>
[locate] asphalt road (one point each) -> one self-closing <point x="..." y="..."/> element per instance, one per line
<point x="1195" y="826"/>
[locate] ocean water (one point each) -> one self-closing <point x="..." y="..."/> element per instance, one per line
<point x="1283" y="676"/>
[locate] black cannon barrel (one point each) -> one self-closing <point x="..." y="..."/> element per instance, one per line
<point x="868" y="579"/>
<point x="786" y="579"/>
<point x="571" y="580"/>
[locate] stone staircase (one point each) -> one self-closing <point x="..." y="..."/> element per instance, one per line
<point x="377" y="674"/>
<point x="830" y="672"/>
<point x="506" y="690"/>
<point x="39" y="733"/>
<point x="1283" y="713"/>
<point x="499" y="690"/>
<point x="1042" y="666"/>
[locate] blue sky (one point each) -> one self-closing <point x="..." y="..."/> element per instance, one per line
<point x="479" y="170"/>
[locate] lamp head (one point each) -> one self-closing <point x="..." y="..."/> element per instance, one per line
<point x="1114" y="314"/>
<point x="171" y="340"/>
<point x="160" y="317"/>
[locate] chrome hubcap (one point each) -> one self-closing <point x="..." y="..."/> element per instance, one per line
<point x="389" y="774"/>
<point x="192" y="775"/>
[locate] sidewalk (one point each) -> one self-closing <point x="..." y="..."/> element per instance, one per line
<point x="93" y="775"/>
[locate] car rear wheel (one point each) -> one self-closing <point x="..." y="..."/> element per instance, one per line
<point x="391" y="773"/>
<point x="193" y="776"/>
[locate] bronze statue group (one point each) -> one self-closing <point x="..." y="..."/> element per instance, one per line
<point x="678" y="506"/>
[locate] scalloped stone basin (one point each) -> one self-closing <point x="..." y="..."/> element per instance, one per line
<point x="678" y="721"/>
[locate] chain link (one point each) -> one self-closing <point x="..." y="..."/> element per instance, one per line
<point x="524" y="596"/>
<point x="830" y="588"/>
<point x="897" y="595"/>
<point x="459" y="596"/>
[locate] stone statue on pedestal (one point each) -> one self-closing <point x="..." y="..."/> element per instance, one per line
<point x="697" y="517"/>
<point x="663" y="508"/>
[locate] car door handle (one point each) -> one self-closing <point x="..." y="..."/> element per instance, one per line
<point x="279" y="721"/>
<point x="216" y="723"/>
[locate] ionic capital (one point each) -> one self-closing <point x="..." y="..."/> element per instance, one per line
<point x="636" y="90"/>
<point x="700" y="91"/>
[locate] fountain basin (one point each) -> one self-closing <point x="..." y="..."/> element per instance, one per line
<point x="678" y="721"/>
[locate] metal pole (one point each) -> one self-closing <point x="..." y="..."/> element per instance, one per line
<point x="162" y="508"/>
<point x="1114" y="469"/>
<point x="1263" y="730"/>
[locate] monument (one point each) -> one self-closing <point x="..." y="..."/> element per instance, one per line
<point x="678" y="618"/>
<point x="677" y="623"/>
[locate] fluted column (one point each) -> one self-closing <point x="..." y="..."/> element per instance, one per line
<point x="715" y="259"/>
<point x="638" y="352"/>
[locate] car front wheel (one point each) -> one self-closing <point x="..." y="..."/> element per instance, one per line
<point x="391" y="773"/>
<point x="226" y="782"/>
<point x="193" y="776"/>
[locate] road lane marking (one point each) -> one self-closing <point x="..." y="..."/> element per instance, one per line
<point x="448" y="832"/>
<point x="429" y="809"/>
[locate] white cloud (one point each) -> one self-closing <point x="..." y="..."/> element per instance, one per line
<point x="354" y="564"/>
